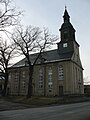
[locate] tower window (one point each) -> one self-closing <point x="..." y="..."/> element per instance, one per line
<point x="65" y="35"/>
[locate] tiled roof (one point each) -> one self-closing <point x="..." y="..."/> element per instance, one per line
<point x="48" y="56"/>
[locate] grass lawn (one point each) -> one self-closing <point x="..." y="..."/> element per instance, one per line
<point x="44" y="101"/>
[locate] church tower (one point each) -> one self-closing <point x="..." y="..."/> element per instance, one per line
<point x="68" y="50"/>
<point x="67" y="33"/>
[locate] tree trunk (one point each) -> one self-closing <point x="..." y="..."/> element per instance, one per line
<point x="29" y="93"/>
<point x="5" y="83"/>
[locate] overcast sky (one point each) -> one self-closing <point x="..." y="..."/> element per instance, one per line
<point x="48" y="13"/>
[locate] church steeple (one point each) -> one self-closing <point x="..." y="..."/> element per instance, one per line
<point x="67" y="30"/>
<point x="67" y="35"/>
<point x="66" y="16"/>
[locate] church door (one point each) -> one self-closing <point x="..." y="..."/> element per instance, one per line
<point x="60" y="90"/>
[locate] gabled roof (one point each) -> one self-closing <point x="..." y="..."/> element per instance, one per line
<point x="46" y="57"/>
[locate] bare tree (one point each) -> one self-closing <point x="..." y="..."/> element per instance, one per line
<point x="9" y="16"/>
<point x="30" y="40"/>
<point x="6" y="54"/>
<point x="86" y="80"/>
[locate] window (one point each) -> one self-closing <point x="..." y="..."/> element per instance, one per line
<point x="9" y="78"/>
<point x="65" y="34"/>
<point x="76" y="73"/>
<point x="23" y="74"/>
<point x="23" y="79"/>
<point x="16" y="80"/>
<point x="60" y="72"/>
<point x="23" y="84"/>
<point x="81" y="76"/>
<point x="64" y="45"/>
<point x="50" y="79"/>
<point x="16" y="76"/>
<point x="41" y="78"/>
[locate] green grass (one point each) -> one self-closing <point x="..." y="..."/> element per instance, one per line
<point x="37" y="101"/>
<point x="44" y="101"/>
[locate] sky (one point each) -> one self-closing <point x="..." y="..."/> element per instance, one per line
<point x="49" y="13"/>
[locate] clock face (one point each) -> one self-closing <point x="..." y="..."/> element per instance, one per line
<point x="64" y="45"/>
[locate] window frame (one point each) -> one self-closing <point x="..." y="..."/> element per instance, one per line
<point x="60" y="72"/>
<point x="65" y="45"/>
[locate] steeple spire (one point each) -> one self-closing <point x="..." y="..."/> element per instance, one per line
<point x="67" y="30"/>
<point x="65" y="7"/>
<point x="66" y="15"/>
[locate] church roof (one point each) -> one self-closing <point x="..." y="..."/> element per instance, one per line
<point x="46" y="57"/>
<point x="59" y="54"/>
<point x="67" y="25"/>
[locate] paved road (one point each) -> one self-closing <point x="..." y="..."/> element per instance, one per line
<point x="78" y="111"/>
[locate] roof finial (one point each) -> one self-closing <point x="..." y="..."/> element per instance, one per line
<point x="66" y="15"/>
<point x="65" y="7"/>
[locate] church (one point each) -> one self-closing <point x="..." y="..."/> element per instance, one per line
<point x="60" y="74"/>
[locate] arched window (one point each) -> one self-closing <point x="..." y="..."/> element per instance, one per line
<point x="50" y="79"/>
<point x="60" y="72"/>
<point x="41" y="78"/>
<point x="23" y="79"/>
<point x="16" y="80"/>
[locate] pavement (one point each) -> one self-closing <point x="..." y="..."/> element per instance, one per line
<point x="77" y="111"/>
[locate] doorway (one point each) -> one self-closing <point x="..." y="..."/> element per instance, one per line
<point x="60" y="90"/>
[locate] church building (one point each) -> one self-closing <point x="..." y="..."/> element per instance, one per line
<point x="60" y="73"/>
